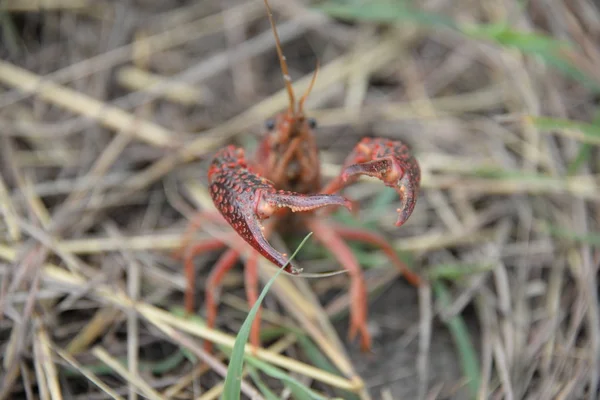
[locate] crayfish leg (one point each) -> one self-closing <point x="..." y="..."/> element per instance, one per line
<point x="221" y="268"/>
<point x="190" y="268"/>
<point x="372" y="238"/>
<point x="251" y="284"/>
<point x="325" y="234"/>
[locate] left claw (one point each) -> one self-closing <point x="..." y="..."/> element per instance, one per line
<point x="392" y="163"/>
<point x="245" y="198"/>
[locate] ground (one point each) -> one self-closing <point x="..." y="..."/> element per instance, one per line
<point x="111" y="112"/>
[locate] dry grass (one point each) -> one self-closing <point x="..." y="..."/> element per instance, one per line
<point x="110" y="112"/>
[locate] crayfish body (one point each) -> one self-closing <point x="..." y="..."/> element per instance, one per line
<point x="283" y="181"/>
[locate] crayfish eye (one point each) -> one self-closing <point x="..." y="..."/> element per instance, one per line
<point x="312" y="123"/>
<point x="270" y="124"/>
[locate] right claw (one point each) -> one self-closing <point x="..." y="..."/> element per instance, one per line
<point x="391" y="162"/>
<point x="245" y="198"/>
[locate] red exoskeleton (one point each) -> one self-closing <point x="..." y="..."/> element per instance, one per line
<point x="283" y="181"/>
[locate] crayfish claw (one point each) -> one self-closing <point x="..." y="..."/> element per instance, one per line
<point x="390" y="162"/>
<point x="245" y="198"/>
<point x="270" y="202"/>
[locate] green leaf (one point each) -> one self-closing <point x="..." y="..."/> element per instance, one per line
<point x="501" y="174"/>
<point x="384" y="11"/>
<point x="233" y="380"/>
<point x="593" y="239"/>
<point x="299" y="391"/>
<point x="159" y="367"/>
<point x="583" y="155"/>
<point x="10" y="35"/>
<point x="318" y="359"/>
<point x="546" y="47"/>
<point x="462" y="340"/>
<point x="585" y="151"/>
<point x="457" y="271"/>
<point x="591" y="132"/>
<point x="264" y="389"/>
<point x="502" y="34"/>
<point x="549" y="49"/>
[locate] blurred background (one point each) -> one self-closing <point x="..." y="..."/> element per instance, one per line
<point x="110" y="112"/>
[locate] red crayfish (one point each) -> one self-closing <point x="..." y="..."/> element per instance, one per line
<point x="283" y="181"/>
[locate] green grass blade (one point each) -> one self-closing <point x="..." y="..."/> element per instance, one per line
<point x="233" y="380"/>
<point x="10" y="36"/>
<point x="546" y="47"/>
<point x="384" y="11"/>
<point x="502" y="34"/>
<point x="590" y="132"/>
<point x="549" y="49"/>
<point x="455" y="272"/>
<point x="159" y="367"/>
<point x="502" y="174"/>
<point x="318" y="359"/>
<point x="583" y="155"/>
<point x="585" y="151"/>
<point x="315" y="355"/>
<point x="468" y="356"/>
<point x="264" y="389"/>
<point x="592" y="239"/>
<point x="299" y="391"/>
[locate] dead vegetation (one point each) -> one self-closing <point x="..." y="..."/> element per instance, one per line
<point x="110" y="112"/>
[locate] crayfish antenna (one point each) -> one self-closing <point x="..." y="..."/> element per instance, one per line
<point x="305" y="95"/>
<point x="284" y="68"/>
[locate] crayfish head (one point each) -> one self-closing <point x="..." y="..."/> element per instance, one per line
<point x="288" y="154"/>
<point x="287" y="126"/>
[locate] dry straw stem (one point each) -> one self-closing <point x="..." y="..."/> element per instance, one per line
<point x="130" y="377"/>
<point x="95" y="327"/>
<point x="585" y="186"/>
<point x="477" y="100"/>
<point x="109" y="116"/>
<point x="34" y="202"/>
<point x="46" y="158"/>
<point x="153" y="314"/>
<point x="172" y="240"/>
<point x="42" y="343"/>
<point x="182" y="27"/>
<point x="38" y="365"/>
<point x="169" y="39"/>
<point x="43" y="5"/>
<point x="87" y="373"/>
<point x="358" y="80"/>
<point x="7" y="212"/>
<point x="140" y="80"/>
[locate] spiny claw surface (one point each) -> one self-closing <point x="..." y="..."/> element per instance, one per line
<point x="391" y="162"/>
<point x="245" y="198"/>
